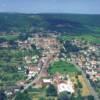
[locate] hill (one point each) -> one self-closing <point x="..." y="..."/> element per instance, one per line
<point x="64" y="23"/>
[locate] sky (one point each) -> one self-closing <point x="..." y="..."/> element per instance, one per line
<point x="51" y="6"/>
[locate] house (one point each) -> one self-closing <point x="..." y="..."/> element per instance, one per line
<point x="28" y="59"/>
<point x="46" y="81"/>
<point x="35" y="58"/>
<point x="44" y="74"/>
<point x="93" y="62"/>
<point x="20" y="83"/>
<point x="33" y="71"/>
<point x="24" y="44"/>
<point x="4" y="44"/>
<point x="8" y="93"/>
<point x="98" y="76"/>
<point x="11" y="90"/>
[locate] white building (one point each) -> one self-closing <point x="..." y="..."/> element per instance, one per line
<point x="46" y="81"/>
<point x="65" y="87"/>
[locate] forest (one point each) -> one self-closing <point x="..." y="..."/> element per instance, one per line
<point x="62" y="23"/>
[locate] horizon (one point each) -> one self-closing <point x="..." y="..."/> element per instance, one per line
<point x="53" y="6"/>
<point x="47" y="13"/>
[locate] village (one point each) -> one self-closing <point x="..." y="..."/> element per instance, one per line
<point x="86" y="60"/>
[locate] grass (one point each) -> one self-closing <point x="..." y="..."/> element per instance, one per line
<point x="9" y="37"/>
<point x="36" y="94"/>
<point x="87" y="37"/>
<point x="9" y="60"/>
<point x="62" y="67"/>
<point x="90" y="38"/>
<point x="13" y="77"/>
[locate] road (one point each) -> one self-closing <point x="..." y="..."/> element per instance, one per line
<point x="43" y="67"/>
<point x="92" y="91"/>
<point x="33" y="82"/>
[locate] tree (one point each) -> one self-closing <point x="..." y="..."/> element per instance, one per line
<point x="2" y="40"/>
<point x="13" y="44"/>
<point x="64" y="96"/>
<point x="90" y="97"/>
<point x="27" y="71"/>
<point x="79" y="84"/>
<point x="70" y="47"/>
<point x="51" y="90"/>
<point x="79" y="97"/>
<point x="42" y="98"/>
<point x="2" y="95"/>
<point x="22" y="96"/>
<point x="33" y="46"/>
<point x="23" y="36"/>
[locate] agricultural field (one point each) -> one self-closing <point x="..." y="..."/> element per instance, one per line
<point x="89" y="38"/>
<point x="10" y="60"/>
<point x="9" y="37"/>
<point x="39" y="94"/>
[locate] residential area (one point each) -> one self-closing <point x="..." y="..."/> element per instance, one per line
<point x="49" y="69"/>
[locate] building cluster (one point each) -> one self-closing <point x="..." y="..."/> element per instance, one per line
<point x="50" y="53"/>
<point x="48" y="44"/>
<point x="88" y="58"/>
<point x="59" y="81"/>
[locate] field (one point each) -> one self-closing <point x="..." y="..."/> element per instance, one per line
<point x="88" y="38"/>
<point x="39" y="94"/>
<point x="85" y="91"/>
<point x="10" y="60"/>
<point x="62" y="67"/>
<point x="9" y="37"/>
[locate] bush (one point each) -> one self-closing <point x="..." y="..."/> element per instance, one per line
<point x="22" y="96"/>
<point x="79" y="84"/>
<point x="51" y="90"/>
<point x="2" y="95"/>
<point x="90" y="97"/>
<point x="64" y="96"/>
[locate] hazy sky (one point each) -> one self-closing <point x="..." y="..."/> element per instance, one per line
<point x="51" y="6"/>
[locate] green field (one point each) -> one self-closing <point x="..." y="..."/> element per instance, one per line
<point x="9" y="37"/>
<point x="62" y="67"/>
<point x="88" y="38"/>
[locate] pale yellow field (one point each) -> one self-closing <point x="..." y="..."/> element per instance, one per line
<point x="85" y="90"/>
